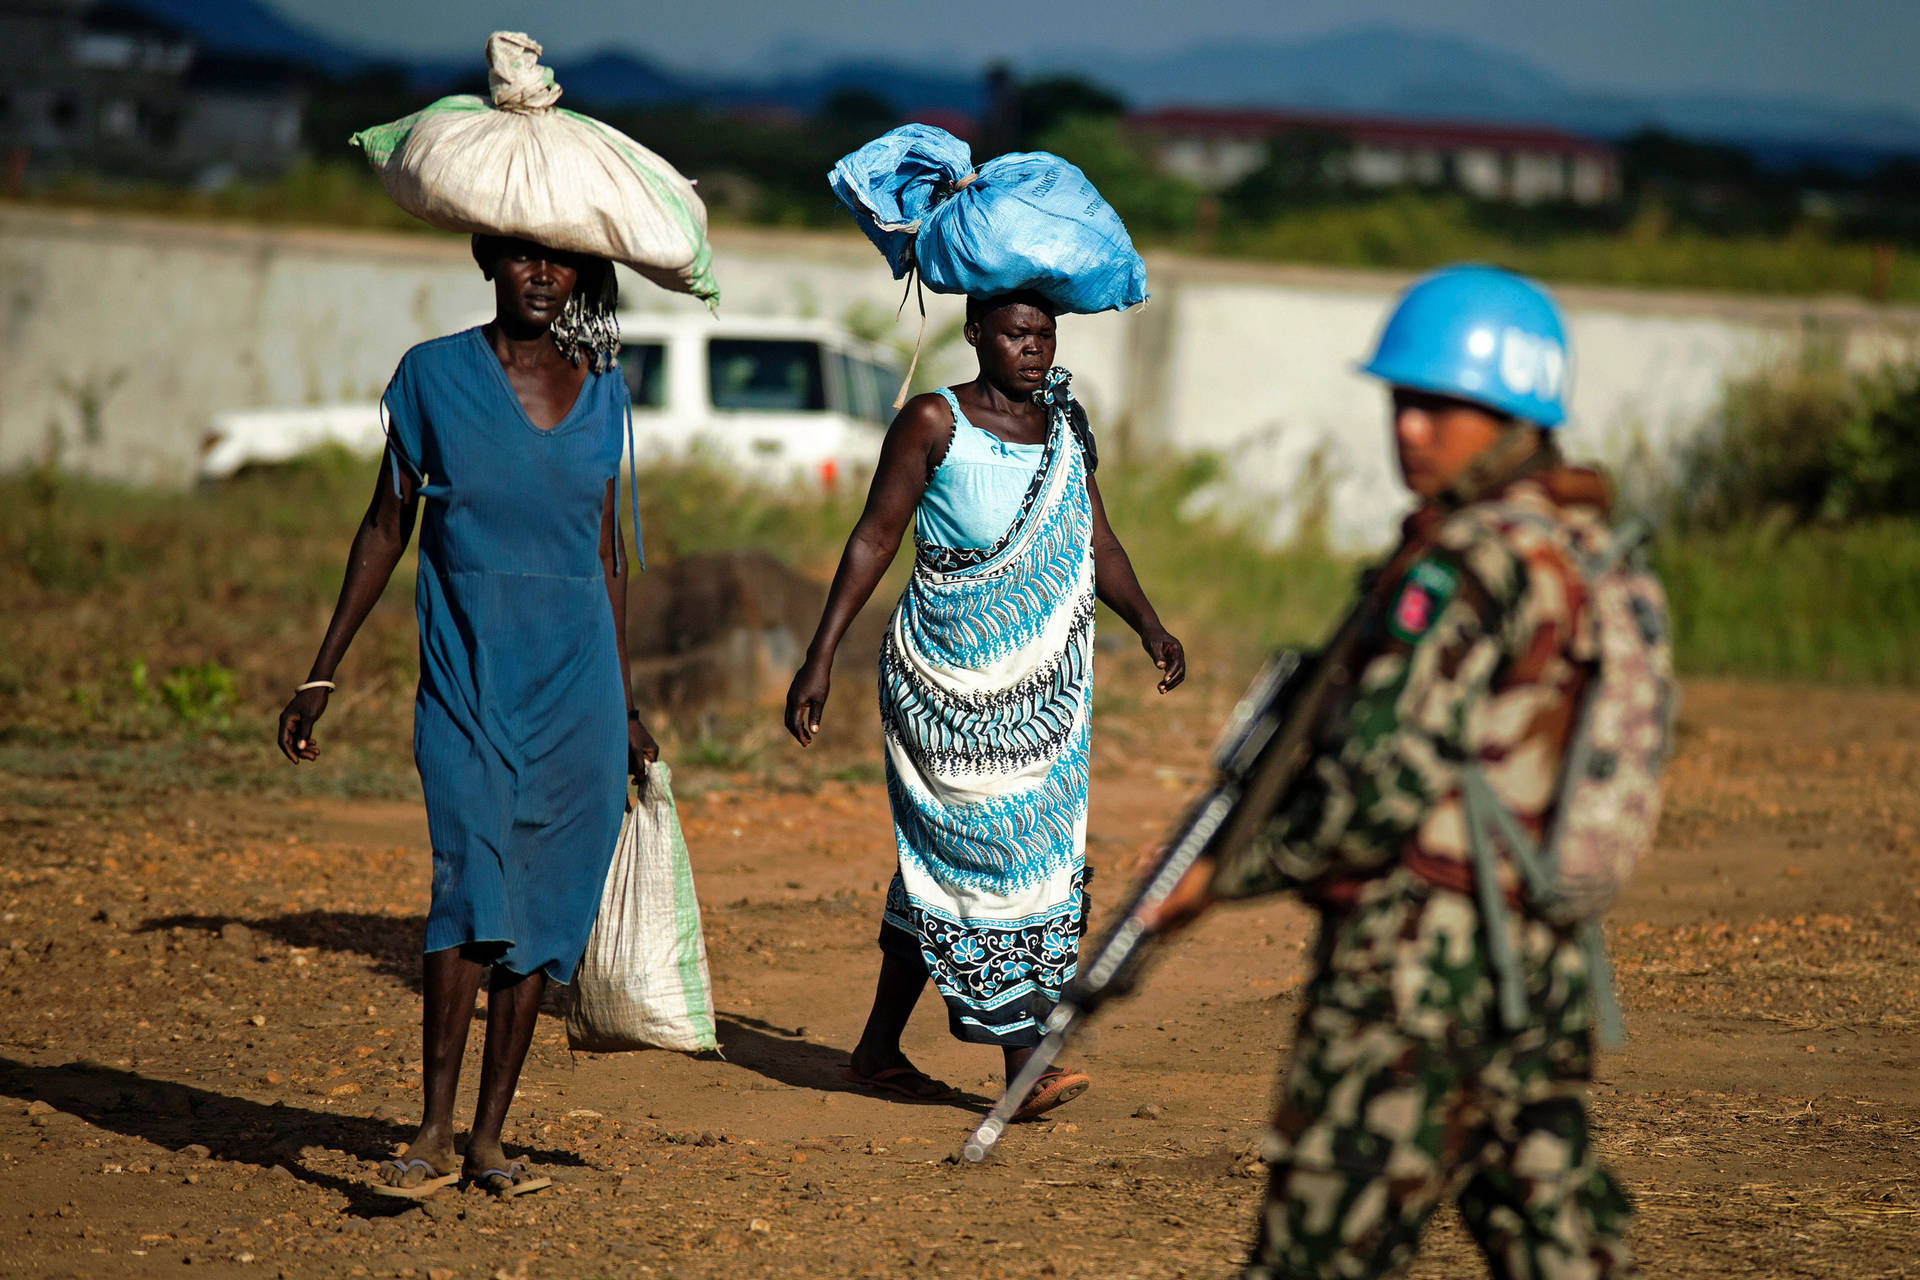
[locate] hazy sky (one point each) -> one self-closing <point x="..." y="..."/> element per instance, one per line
<point x="1857" y="52"/>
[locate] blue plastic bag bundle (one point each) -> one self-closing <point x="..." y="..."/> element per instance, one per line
<point x="1027" y="220"/>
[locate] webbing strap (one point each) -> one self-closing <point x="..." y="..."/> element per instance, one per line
<point x="1612" y="1028"/>
<point x="1487" y="816"/>
<point x="1474" y="784"/>
<point x="1624" y="540"/>
<point x="1507" y="983"/>
<point x="913" y="284"/>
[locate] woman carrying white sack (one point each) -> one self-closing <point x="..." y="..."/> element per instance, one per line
<point x="524" y="731"/>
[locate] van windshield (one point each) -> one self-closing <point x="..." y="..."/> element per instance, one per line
<point x="644" y="366"/>
<point x="885" y="380"/>
<point x="766" y="375"/>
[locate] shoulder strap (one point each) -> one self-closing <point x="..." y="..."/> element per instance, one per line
<point x="953" y="431"/>
<point x="1487" y="817"/>
<point x="1083" y="432"/>
<point x="1629" y="536"/>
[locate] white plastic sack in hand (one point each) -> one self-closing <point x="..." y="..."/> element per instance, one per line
<point x="643" y="981"/>
<point x="525" y="167"/>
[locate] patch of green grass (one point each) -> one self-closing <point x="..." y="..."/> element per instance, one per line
<point x="1645" y="246"/>
<point x="859" y="771"/>
<point x="693" y="507"/>
<point x="1837" y="604"/>
<point x="334" y="193"/>
<point x="167" y="663"/>
<point x="1227" y="595"/>
<point x="198" y="628"/>
<point x="1415" y="231"/>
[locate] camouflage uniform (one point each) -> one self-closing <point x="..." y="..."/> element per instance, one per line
<point x="1405" y="1085"/>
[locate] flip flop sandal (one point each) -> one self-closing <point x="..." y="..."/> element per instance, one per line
<point x="509" y="1182"/>
<point x="899" y="1082"/>
<point x="434" y="1181"/>
<point x="1057" y="1086"/>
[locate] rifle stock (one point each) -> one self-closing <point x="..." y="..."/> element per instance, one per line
<point x="1266" y="744"/>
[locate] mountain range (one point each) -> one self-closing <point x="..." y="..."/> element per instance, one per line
<point x="1374" y="70"/>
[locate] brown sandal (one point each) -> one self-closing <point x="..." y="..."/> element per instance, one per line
<point x="1062" y="1084"/>
<point x="906" y="1082"/>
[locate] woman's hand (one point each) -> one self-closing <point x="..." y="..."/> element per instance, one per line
<point x="642" y="751"/>
<point x="1167" y="654"/>
<point x="1188" y="901"/>
<point x="806" y="699"/>
<point x="296" y="725"/>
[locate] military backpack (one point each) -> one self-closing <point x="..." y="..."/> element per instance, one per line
<point x="1607" y="804"/>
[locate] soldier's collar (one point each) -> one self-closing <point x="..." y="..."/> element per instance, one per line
<point x="1519" y="452"/>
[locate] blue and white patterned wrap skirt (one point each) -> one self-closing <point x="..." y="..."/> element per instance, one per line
<point x="985" y="698"/>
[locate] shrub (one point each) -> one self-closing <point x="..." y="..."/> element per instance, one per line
<point x="1820" y="602"/>
<point x="1811" y="441"/>
<point x="201" y="696"/>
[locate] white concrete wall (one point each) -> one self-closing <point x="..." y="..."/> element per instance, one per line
<point x="1259" y="362"/>
<point x="121" y="337"/>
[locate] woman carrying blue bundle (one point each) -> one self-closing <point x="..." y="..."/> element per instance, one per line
<point x="985" y="685"/>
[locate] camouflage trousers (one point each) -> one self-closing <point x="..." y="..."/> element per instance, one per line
<point x="1404" y="1089"/>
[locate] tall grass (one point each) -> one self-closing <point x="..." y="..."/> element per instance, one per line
<point x="1407" y="230"/>
<point x="151" y="622"/>
<point x="1214" y="575"/>
<point x="1415" y="231"/>
<point x="694" y="507"/>
<point x="1794" y="527"/>
<point x="137" y="614"/>
<point x="152" y="635"/>
<point x="1837" y="604"/>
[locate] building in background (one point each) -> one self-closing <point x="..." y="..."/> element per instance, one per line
<point x="108" y="89"/>
<point x="1218" y="148"/>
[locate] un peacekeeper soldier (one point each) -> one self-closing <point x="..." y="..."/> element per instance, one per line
<point x="1406" y="1083"/>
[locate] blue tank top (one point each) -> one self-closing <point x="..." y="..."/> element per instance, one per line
<point x="976" y="491"/>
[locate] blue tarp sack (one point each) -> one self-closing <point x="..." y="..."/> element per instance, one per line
<point x="1027" y="220"/>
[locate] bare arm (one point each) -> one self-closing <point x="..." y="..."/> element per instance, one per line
<point x="915" y="444"/>
<point x="377" y="547"/>
<point x="1119" y="589"/>
<point x="642" y="750"/>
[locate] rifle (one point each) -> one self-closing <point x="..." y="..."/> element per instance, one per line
<point x="1265" y="746"/>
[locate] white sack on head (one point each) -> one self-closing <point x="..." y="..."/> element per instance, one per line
<point x="525" y="167"/>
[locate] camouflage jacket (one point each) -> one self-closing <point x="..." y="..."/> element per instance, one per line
<point x="1480" y="649"/>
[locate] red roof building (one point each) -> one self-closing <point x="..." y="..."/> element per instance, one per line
<point x="1523" y="165"/>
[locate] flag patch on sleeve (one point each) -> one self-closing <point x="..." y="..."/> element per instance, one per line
<point x="1426" y="591"/>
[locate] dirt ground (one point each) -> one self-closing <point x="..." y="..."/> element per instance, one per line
<point x="211" y="1035"/>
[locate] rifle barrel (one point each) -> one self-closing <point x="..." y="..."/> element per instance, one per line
<point x="1258" y="757"/>
<point x="1059" y="1029"/>
<point x="1112" y="960"/>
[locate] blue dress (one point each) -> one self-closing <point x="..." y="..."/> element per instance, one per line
<point x="520" y="722"/>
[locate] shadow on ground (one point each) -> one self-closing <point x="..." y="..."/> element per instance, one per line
<point x="786" y="1057"/>
<point x="393" y="943"/>
<point x="176" y="1116"/>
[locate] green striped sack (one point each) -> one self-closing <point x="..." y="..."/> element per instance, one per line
<point x="643" y="982"/>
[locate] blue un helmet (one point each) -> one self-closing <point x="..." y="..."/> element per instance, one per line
<point x="1480" y="334"/>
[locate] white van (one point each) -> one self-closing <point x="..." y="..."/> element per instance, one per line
<point x="774" y="399"/>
